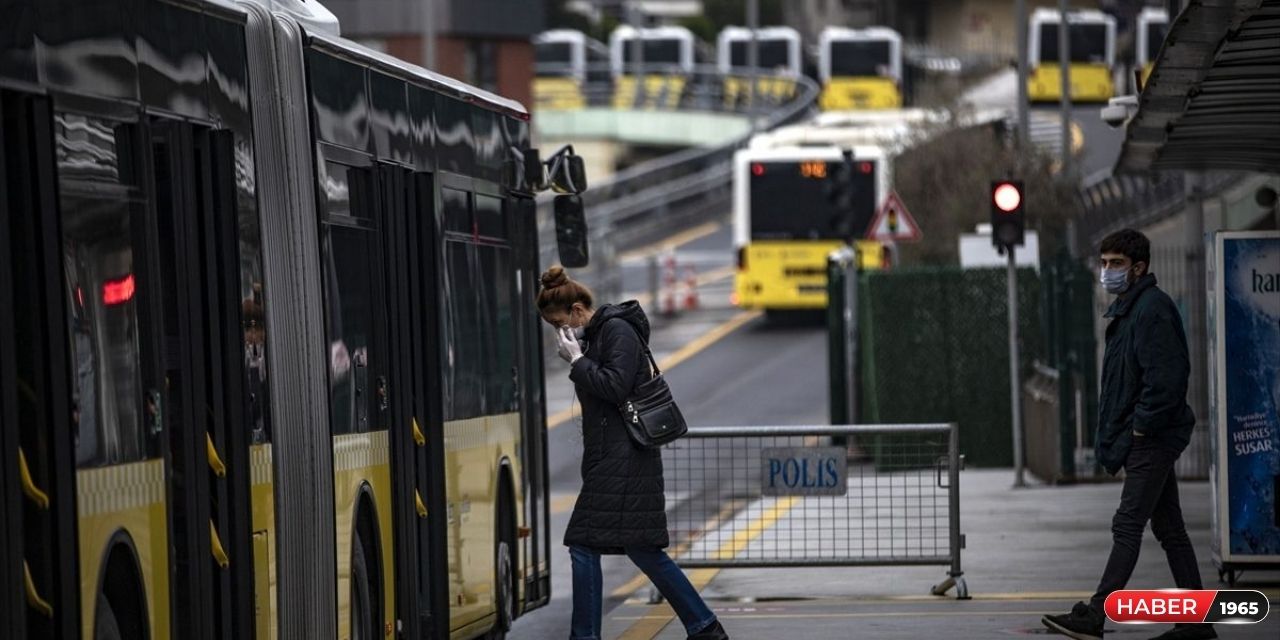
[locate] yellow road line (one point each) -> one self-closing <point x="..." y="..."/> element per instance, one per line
<point x="705" y="279"/>
<point x="684" y="353"/>
<point x="682" y="238"/>
<point x="639" y="580"/>
<point x="869" y="614"/>
<point x="650" y="625"/>
<point x="707" y="339"/>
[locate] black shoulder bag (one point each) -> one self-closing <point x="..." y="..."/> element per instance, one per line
<point x="651" y="414"/>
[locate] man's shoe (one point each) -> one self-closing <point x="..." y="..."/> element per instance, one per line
<point x="1083" y="623"/>
<point x="1189" y="632"/>
<point x="713" y="632"/>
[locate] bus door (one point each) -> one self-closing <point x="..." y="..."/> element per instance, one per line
<point x="535" y="545"/>
<point x="38" y="552"/>
<point x="408" y="238"/>
<point x="200" y="394"/>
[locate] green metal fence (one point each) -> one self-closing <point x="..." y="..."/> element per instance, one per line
<point x="934" y="348"/>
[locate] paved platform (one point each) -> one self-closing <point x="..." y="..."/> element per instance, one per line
<point x="1029" y="552"/>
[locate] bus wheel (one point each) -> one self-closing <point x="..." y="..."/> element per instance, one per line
<point x="362" y="619"/>
<point x="105" y="626"/>
<point x="504" y="547"/>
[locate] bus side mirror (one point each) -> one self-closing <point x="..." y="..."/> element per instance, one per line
<point x="568" y="172"/>
<point x="571" y="231"/>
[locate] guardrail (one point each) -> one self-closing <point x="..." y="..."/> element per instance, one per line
<point x="806" y="496"/>
<point x="676" y="189"/>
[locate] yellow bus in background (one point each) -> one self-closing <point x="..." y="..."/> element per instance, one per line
<point x="270" y="366"/>
<point x="1092" y="37"/>
<point x="860" y="69"/>
<point x="1153" y="27"/>
<point x="789" y="214"/>
<point x="567" y="60"/>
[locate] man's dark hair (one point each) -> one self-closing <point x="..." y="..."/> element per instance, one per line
<point x="1128" y="243"/>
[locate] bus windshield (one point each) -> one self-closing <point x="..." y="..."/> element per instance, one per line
<point x="851" y="58"/>
<point x="1088" y="43"/>
<point x="1156" y="32"/>
<point x="774" y="54"/>
<point x="554" y="53"/>
<point x="790" y="200"/>
<point x="665" y="51"/>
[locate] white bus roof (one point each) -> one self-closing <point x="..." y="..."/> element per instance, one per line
<point x="729" y="35"/>
<point x="311" y="14"/>
<point x="1043" y="17"/>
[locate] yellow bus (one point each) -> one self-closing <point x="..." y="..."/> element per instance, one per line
<point x="1153" y="26"/>
<point x="790" y="213"/>
<point x="668" y="56"/>
<point x="860" y="68"/>
<point x="269" y="364"/>
<point x="566" y="61"/>
<point x="778" y="64"/>
<point x="1092" y="37"/>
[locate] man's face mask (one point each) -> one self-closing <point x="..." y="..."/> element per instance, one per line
<point x="1115" y="281"/>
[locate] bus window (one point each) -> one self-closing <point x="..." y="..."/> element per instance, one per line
<point x="103" y="297"/>
<point x="554" y="55"/>
<point x="860" y="58"/>
<point x="1088" y="43"/>
<point x="463" y="349"/>
<point x="351" y="309"/>
<point x="789" y="200"/>
<point x="657" y="51"/>
<point x="1156" y="32"/>
<point x="773" y="54"/>
<point x="500" y="383"/>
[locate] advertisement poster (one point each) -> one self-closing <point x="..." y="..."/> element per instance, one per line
<point x="1247" y="288"/>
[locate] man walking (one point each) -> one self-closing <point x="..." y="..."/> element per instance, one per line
<point x="1144" y="423"/>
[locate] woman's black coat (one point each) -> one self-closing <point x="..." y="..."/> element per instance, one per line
<point x="622" y="503"/>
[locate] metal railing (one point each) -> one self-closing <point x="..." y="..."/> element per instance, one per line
<point x="674" y="190"/>
<point x="805" y="496"/>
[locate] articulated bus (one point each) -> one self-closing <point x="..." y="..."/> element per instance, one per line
<point x="1153" y="27"/>
<point x="1092" y="37"/>
<point x="778" y="62"/>
<point x="787" y="220"/>
<point x="269" y="360"/>
<point x="566" y="60"/>
<point x="668" y="55"/>
<point x="860" y="68"/>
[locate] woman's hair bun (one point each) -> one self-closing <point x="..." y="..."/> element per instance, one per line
<point x="554" y="277"/>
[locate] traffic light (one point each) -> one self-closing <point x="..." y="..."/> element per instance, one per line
<point x="1008" y="213"/>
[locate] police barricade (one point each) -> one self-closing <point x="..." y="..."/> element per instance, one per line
<point x="793" y="496"/>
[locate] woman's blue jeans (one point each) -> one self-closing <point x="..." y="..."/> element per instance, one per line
<point x="588" y="591"/>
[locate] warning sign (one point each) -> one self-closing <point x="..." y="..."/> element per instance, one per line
<point x="894" y="222"/>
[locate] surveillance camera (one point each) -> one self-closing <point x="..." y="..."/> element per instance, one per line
<point x="1118" y="110"/>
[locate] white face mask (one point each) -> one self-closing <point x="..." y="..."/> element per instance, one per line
<point x="1115" y="281"/>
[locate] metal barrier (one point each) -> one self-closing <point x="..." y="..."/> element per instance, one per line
<point x="786" y="497"/>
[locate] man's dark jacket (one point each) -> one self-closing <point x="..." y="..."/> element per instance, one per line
<point x="1144" y="375"/>
<point x="622" y="503"/>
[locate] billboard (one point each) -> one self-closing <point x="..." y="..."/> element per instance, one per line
<point x="1245" y="396"/>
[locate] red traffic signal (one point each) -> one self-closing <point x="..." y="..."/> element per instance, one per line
<point x="1007" y="196"/>
<point x="1008" y="216"/>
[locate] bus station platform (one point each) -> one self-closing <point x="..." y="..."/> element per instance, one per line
<point x="1027" y="552"/>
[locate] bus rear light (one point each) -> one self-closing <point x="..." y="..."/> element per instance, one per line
<point x="118" y="291"/>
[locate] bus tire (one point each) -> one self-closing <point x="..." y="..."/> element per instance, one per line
<point x="105" y="626"/>
<point x="504" y="566"/>
<point x="363" y="623"/>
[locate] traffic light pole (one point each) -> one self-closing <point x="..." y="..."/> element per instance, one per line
<point x="1015" y="393"/>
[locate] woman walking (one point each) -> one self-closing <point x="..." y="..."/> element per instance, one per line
<point x="621" y="508"/>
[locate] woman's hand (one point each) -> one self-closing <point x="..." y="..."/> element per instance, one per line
<point x="567" y="345"/>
